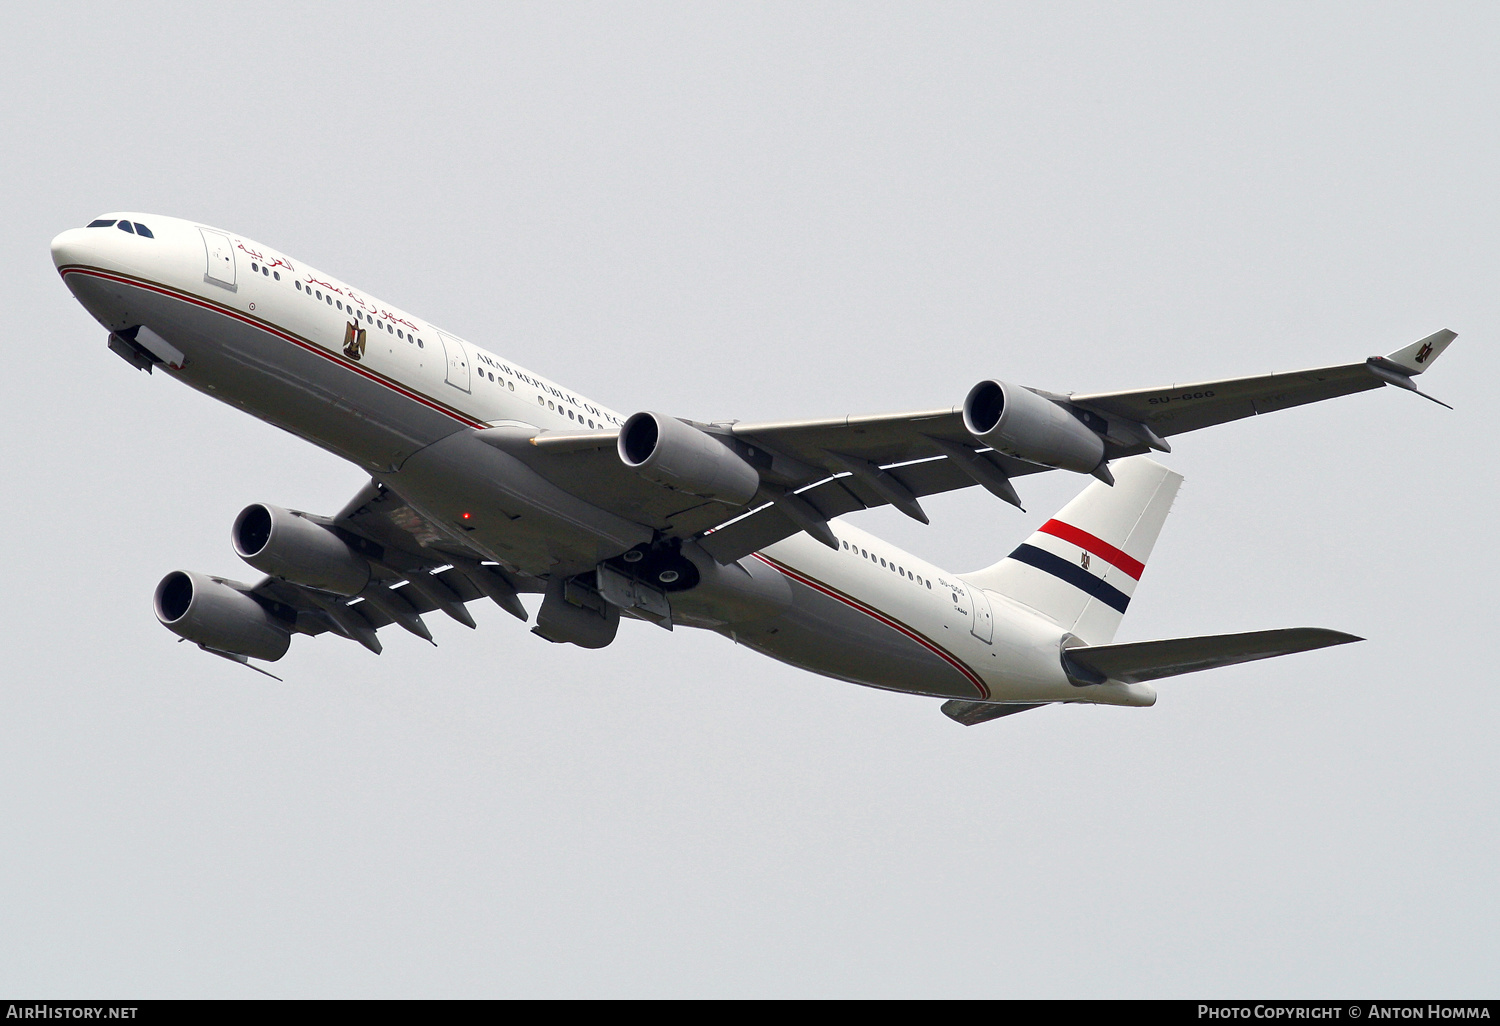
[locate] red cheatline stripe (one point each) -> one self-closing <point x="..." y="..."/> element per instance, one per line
<point x="265" y="326"/>
<point x="1098" y="546"/>
<point x="819" y="586"/>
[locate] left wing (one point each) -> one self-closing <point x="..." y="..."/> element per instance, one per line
<point x="809" y="472"/>
<point x="1173" y="409"/>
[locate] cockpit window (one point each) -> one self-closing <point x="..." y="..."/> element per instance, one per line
<point x="107" y="222"/>
<point x="124" y="226"/>
<point x="141" y="229"/>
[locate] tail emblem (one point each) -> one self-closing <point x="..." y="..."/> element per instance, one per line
<point x="1075" y="575"/>
<point x="1424" y="352"/>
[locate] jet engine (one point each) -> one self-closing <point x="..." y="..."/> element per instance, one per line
<point x="669" y="452"/>
<point x="219" y="616"/>
<point x="294" y="548"/>
<point x="1020" y="423"/>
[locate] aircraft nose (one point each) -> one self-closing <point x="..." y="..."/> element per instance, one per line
<point x="70" y="247"/>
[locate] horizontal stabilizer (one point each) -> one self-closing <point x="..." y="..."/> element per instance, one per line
<point x="1151" y="660"/>
<point x="970" y="713"/>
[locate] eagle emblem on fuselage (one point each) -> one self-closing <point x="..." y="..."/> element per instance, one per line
<point x="354" y="341"/>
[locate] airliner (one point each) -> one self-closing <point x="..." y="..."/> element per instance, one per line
<point x="487" y="480"/>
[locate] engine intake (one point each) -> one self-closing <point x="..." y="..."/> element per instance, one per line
<point x="1020" y="423"/>
<point x="285" y="545"/>
<point x="216" y="615"/>
<point x="668" y="452"/>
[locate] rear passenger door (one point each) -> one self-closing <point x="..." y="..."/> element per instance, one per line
<point x="982" y="626"/>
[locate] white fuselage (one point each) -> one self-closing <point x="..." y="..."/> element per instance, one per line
<point x="389" y="391"/>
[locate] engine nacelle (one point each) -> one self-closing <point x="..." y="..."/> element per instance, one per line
<point x="284" y="545"/>
<point x="668" y="452"/>
<point x="217" y="616"/>
<point x="1020" y="423"/>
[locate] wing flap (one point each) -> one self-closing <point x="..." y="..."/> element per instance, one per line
<point x="838" y="496"/>
<point x="311" y="606"/>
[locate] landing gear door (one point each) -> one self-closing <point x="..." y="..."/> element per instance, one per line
<point x="220" y="253"/>
<point x="983" y="624"/>
<point x="458" y="361"/>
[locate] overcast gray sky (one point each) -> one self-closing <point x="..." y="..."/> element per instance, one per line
<point x="763" y="211"/>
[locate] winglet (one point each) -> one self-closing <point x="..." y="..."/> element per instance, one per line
<point x="1393" y="375"/>
<point x="1421" y="354"/>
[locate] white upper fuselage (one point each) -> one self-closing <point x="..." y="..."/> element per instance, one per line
<point x="401" y="348"/>
<point x="376" y="384"/>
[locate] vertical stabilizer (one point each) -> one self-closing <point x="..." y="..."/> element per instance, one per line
<point x="1080" y="569"/>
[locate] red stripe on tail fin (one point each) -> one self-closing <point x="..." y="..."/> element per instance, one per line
<point x="1098" y="546"/>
